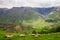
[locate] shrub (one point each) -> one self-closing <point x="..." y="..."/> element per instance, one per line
<point x="56" y="28"/>
<point x="43" y="30"/>
<point x="34" y="32"/>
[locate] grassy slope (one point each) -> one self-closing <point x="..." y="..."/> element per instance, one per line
<point x="50" y="36"/>
<point x="39" y="23"/>
<point x="53" y="36"/>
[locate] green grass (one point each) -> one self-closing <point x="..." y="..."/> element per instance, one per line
<point x="50" y="36"/>
<point x="39" y="23"/>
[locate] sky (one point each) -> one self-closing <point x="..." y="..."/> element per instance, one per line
<point x="29" y="3"/>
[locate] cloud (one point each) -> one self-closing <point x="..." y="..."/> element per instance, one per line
<point x="29" y="3"/>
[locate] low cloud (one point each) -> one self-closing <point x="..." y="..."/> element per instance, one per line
<point x="29" y="3"/>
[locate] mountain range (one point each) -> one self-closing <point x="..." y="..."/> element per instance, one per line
<point x="24" y="13"/>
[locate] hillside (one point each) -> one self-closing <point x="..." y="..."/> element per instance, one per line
<point x="30" y="16"/>
<point x="19" y="14"/>
<point x="55" y="15"/>
<point x="45" y="11"/>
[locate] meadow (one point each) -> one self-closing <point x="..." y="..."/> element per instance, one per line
<point x="49" y="36"/>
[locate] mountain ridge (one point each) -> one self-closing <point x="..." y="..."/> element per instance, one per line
<point x="22" y="13"/>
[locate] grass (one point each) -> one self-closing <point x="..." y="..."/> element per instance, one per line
<point x="50" y="36"/>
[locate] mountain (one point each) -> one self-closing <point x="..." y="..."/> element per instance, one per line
<point x="31" y="17"/>
<point x="55" y="14"/>
<point x="17" y="14"/>
<point x="40" y="10"/>
<point x="45" y="11"/>
<point x="3" y="10"/>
